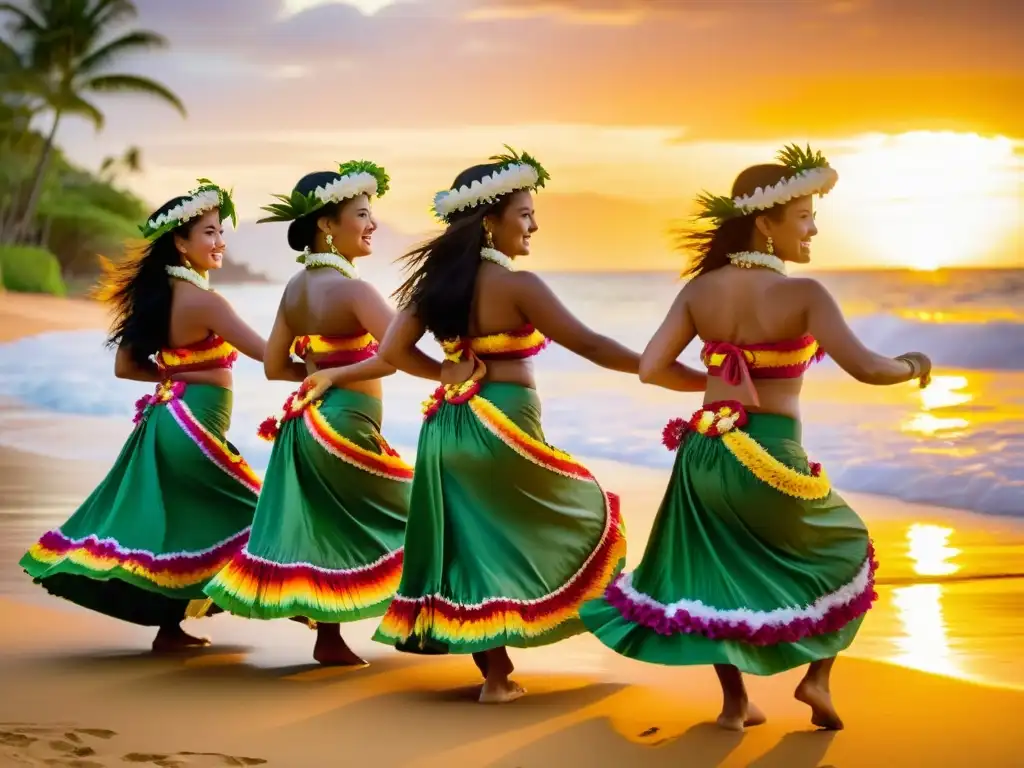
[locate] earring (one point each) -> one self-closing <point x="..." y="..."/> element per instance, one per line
<point x="488" y="240"/>
<point x="771" y="247"/>
<point x="330" y="244"/>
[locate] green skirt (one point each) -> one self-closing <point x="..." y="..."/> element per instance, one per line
<point x="173" y="510"/>
<point x="326" y="543"/>
<point x="753" y="560"/>
<point x="507" y="536"/>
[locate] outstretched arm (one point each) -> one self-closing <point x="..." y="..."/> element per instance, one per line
<point x="826" y="323"/>
<point x="277" y="362"/>
<point x="542" y="309"/>
<point x="659" y="364"/>
<point x="399" y="349"/>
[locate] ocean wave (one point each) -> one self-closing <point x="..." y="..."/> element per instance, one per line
<point x="962" y="447"/>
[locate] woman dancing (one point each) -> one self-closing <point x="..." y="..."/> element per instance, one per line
<point x="326" y="543"/>
<point x="754" y="564"/>
<point x="178" y="502"/>
<point x="507" y="535"/>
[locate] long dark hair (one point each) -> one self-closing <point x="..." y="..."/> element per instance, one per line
<point x="710" y="247"/>
<point x="302" y="231"/>
<point x="442" y="272"/>
<point x="139" y="291"/>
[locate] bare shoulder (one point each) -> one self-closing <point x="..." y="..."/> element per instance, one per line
<point x="524" y="282"/>
<point x="805" y="290"/>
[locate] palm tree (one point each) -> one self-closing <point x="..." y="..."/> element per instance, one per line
<point x="129" y="162"/>
<point x="66" y="47"/>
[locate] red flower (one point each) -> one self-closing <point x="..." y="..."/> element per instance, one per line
<point x="672" y="435"/>
<point x="269" y="429"/>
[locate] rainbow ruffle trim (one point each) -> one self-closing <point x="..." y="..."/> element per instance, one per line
<point x="496" y="618"/>
<point x="106" y="558"/>
<point x="256" y="588"/>
<point x="829" y="613"/>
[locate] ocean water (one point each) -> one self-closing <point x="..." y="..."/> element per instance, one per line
<point x="959" y="443"/>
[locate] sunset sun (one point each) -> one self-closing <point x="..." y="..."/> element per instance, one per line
<point x="929" y="200"/>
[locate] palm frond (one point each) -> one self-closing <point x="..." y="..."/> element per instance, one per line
<point x="106" y="13"/>
<point x="132" y="84"/>
<point x="129" y="43"/>
<point x="70" y="103"/>
<point x="23" y="22"/>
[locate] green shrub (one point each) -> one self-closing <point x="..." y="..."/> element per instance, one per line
<point x="31" y="270"/>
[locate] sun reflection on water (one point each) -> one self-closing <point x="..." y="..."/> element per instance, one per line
<point x="925" y="644"/>
<point x="943" y="392"/>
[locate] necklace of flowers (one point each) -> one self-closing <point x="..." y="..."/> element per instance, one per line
<point x="497" y="257"/>
<point x="748" y="259"/>
<point x="332" y="260"/>
<point x="189" y="275"/>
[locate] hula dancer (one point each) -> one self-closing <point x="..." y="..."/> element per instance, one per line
<point x="326" y="543"/>
<point x="178" y="502"/>
<point x="507" y="535"/>
<point x="754" y="563"/>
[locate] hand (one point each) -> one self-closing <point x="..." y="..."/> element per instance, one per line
<point x="314" y="386"/>
<point x="470" y="368"/>
<point x="922" y="366"/>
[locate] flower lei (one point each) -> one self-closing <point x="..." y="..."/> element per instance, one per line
<point x="810" y="174"/>
<point x="202" y="199"/>
<point x="356" y="177"/>
<point x="497" y="257"/>
<point x="189" y="275"/>
<point x="332" y="260"/>
<point x="749" y="259"/>
<point x="517" y="172"/>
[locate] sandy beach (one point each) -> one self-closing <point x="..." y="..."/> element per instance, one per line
<point x="83" y="690"/>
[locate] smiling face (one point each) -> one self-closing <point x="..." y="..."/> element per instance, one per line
<point x="203" y="245"/>
<point x="351" y="228"/>
<point x="790" y="230"/>
<point x="512" y="227"/>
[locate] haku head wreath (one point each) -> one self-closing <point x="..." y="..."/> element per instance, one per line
<point x="515" y="172"/>
<point x="354" y="178"/>
<point x="809" y="174"/>
<point x="202" y="199"/>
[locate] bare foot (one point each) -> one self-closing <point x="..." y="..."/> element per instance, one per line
<point x="172" y="639"/>
<point x="480" y="659"/>
<point x="739" y="716"/>
<point x="331" y="651"/>
<point x="754" y="716"/>
<point x="823" y="714"/>
<point x="501" y="692"/>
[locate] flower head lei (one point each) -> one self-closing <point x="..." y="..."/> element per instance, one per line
<point x="810" y="174"/>
<point x="356" y="177"/>
<point x="515" y="172"/>
<point x="200" y="200"/>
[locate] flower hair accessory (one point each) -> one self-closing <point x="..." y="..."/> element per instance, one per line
<point x="200" y="200"/>
<point x="810" y="175"/>
<point x="356" y="177"/>
<point x="517" y="172"/>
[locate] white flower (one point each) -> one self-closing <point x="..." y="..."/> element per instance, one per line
<point x="350" y="185"/>
<point x="510" y="179"/>
<point x="814" y="181"/>
<point x="188" y="209"/>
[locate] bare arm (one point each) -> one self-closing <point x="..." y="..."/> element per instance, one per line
<point x="826" y="323"/>
<point x="399" y="349"/>
<point x="547" y="314"/>
<point x="277" y="360"/>
<point x="220" y="317"/>
<point x="126" y="367"/>
<point x="659" y="363"/>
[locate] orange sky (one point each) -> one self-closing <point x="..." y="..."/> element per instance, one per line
<point x="634" y="106"/>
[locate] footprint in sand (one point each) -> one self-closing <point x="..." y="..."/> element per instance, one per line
<point x="31" y="744"/>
